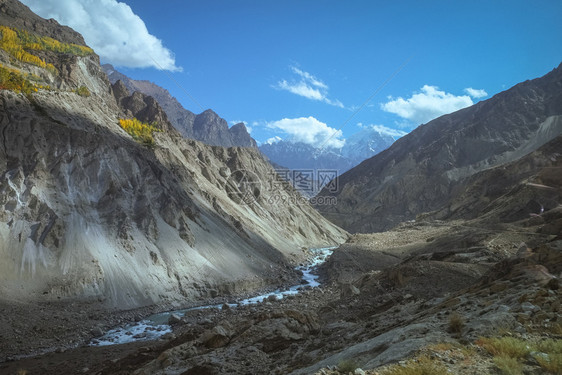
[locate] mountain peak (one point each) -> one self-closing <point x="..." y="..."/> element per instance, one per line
<point x="207" y="127"/>
<point x="298" y="155"/>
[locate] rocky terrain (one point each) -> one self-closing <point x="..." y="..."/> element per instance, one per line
<point x="89" y="214"/>
<point x="427" y="288"/>
<point x="105" y="220"/>
<point x="206" y="127"/>
<point x="428" y="168"/>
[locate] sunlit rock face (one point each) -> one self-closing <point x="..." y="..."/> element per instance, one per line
<point x="87" y="211"/>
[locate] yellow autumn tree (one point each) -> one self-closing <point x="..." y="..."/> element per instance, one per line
<point x="18" y="43"/>
<point x="140" y="131"/>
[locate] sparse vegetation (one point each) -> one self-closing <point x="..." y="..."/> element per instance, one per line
<point x="83" y="91"/>
<point x="505" y="346"/>
<point x="508" y="365"/>
<point x="14" y="80"/>
<point x="396" y="277"/>
<point x="18" y="43"/>
<point x="347" y="365"/>
<point x="140" y="131"/>
<point x="11" y="79"/>
<point x="456" y="323"/>
<point x="510" y="352"/>
<point x="419" y="366"/>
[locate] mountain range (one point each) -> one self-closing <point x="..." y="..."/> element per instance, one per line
<point x="430" y="167"/>
<point x="360" y="146"/>
<point x="207" y="127"/>
<point x="210" y="128"/>
<point x="127" y="246"/>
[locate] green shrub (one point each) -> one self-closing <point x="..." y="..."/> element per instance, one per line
<point x="456" y="323"/>
<point x="347" y="365"/>
<point x="551" y="362"/>
<point x="83" y="91"/>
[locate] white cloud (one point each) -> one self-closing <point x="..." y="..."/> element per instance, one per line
<point x="426" y="105"/>
<point x="273" y="140"/>
<point x="395" y="133"/>
<point x="384" y="130"/>
<point x="302" y="89"/>
<point x="476" y="93"/>
<point x="117" y="35"/>
<point x="309" y="130"/>
<point x="308" y="86"/>
<point x="310" y="78"/>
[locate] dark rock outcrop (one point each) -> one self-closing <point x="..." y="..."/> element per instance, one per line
<point x="240" y="136"/>
<point x="143" y="107"/>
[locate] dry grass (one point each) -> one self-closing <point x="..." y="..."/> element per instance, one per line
<point x="508" y="365"/>
<point x="505" y="346"/>
<point x="508" y="353"/>
<point x="552" y="363"/>
<point x="397" y="278"/>
<point x="420" y="366"/>
<point x="442" y="347"/>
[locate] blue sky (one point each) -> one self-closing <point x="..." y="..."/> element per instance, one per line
<point x="301" y="69"/>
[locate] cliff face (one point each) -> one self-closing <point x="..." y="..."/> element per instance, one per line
<point x="206" y="127"/>
<point x="88" y="212"/>
<point x="426" y="169"/>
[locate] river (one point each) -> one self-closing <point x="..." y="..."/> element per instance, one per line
<point x="155" y="326"/>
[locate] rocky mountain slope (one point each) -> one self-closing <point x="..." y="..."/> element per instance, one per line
<point x="206" y="127"/>
<point x="89" y="213"/>
<point x="528" y="187"/>
<point x="426" y="169"/>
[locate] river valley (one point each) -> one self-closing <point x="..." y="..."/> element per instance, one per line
<point x="157" y="325"/>
<point x="382" y="297"/>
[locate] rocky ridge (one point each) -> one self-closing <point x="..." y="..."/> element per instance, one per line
<point x="206" y="127"/>
<point x="426" y="169"/>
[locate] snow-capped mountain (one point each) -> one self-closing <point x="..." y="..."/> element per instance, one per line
<point x="310" y="168"/>
<point x="369" y="141"/>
